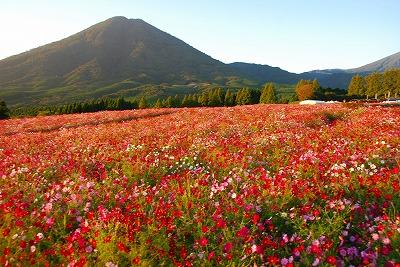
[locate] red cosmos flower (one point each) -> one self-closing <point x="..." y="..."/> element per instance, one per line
<point x="273" y="260"/>
<point x="183" y="253"/>
<point x="22" y="244"/>
<point x="6" y="232"/>
<point x="121" y="247"/>
<point x="315" y="249"/>
<point x="211" y="255"/>
<point x="203" y="241"/>
<point x="107" y="239"/>
<point x="385" y="250"/>
<point x="220" y="223"/>
<point x="331" y="260"/>
<point x="243" y="232"/>
<point x="256" y="218"/>
<point x="136" y="260"/>
<point x="228" y="246"/>
<point x="7" y="251"/>
<point x="90" y="215"/>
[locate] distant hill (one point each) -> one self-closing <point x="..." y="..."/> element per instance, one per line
<point x="265" y="73"/>
<point x="341" y="78"/>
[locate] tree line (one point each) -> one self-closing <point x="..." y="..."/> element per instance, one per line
<point x="305" y="89"/>
<point x="210" y="98"/>
<point x="386" y="84"/>
<point x="310" y="89"/>
<point x="218" y="98"/>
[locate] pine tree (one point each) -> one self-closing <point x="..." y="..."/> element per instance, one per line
<point x="194" y="101"/>
<point x="229" y="100"/>
<point x="142" y="103"/>
<point x="374" y="84"/>
<point x="185" y="101"/>
<point x="4" y="111"/>
<point x="176" y="102"/>
<point x="315" y="85"/>
<point x="390" y="82"/>
<point x="169" y="102"/>
<point x="268" y="95"/>
<point x="397" y="90"/>
<point x="357" y="86"/>
<point x="244" y="97"/>
<point x="158" y="104"/>
<point x="203" y="99"/>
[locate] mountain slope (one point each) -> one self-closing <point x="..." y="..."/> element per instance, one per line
<point x="112" y="51"/>
<point x="392" y="61"/>
<point x="265" y="73"/>
<point x="338" y="78"/>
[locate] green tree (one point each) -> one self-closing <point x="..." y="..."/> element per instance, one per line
<point x="268" y="94"/>
<point x="390" y="81"/>
<point x="374" y="84"/>
<point x="158" y="104"/>
<point x="203" y="99"/>
<point x="357" y="86"/>
<point x="169" y="102"/>
<point x="229" y="100"/>
<point x="215" y="98"/>
<point x="397" y="90"/>
<point x="4" y="111"/>
<point x="315" y="85"/>
<point x="142" y="103"/>
<point x="176" y="103"/>
<point x="244" y="97"/>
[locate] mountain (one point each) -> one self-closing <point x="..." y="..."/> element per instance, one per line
<point x="265" y="73"/>
<point x="338" y="78"/>
<point x="116" y="54"/>
<point x="381" y="65"/>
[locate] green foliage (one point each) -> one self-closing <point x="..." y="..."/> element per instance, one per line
<point x="357" y="86"/>
<point x="4" y="111"/>
<point x="268" y="95"/>
<point x="143" y="103"/>
<point x="376" y="84"/>
<point x="78" y="107"/>
<point x="229" y="99"/>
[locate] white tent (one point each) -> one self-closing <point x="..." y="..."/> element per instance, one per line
<point x="312" y="102"/>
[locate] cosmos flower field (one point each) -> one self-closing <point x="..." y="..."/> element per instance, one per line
<point x="263" y="185"/>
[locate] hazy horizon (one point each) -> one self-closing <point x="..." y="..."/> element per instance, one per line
<point x="294" y="36"/>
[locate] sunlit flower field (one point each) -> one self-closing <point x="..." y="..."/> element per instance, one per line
<point x="263" y="185"/>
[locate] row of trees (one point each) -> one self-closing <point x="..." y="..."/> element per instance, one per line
<point x="209" y="98"/>
<point x="310" y="89"/>
<point x="78" y="107"/>
<point x="219" y="98"/>
<point x="376" y="84"/>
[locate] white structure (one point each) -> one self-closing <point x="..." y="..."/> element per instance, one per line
<point x="312" y="102"/>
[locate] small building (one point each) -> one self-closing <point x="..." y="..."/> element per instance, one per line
<point x="312" y="102"/>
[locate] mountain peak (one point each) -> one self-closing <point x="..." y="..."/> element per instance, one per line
<point x="107" y="53"/>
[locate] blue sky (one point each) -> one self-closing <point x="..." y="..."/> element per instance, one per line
<point x="292" y="34"/>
